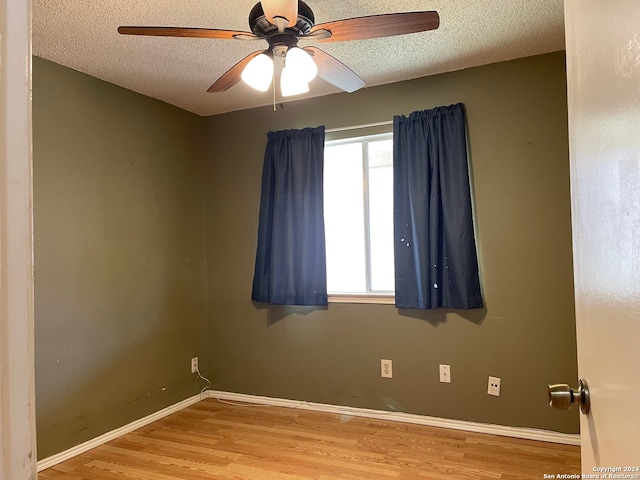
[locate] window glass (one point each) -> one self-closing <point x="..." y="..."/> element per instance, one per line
<point x="358" y="202"/>
<point x="344" y="218"/>
<point x="380" y="189"/>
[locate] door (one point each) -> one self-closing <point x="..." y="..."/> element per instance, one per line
<point x="603" y="81"/>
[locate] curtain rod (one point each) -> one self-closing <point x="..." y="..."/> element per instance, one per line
<point x="358" y="127"/>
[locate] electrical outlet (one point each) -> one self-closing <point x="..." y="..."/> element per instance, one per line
<point x="445" y="373"/>
<point x="494" y="386"/>
<point x="194" y="364"/>
<point x="386" y="368"/>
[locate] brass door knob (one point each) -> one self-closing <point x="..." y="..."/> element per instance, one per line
<point x="562" y="396"/>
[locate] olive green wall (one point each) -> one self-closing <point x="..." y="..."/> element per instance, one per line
<point x="119" y="255"/>
<point x="517" y="116"/>
<point x="125" y="263"/>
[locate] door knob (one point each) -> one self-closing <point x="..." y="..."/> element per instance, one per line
<point x="562" y="396"/>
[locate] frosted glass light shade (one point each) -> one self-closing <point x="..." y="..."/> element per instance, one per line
<point x="291" y="83"/>
<point x="258" y="72"/>
<point x="300" y="61"/>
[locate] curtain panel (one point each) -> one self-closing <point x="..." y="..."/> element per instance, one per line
<point x="290" y="264"/>
<point x="434" y="244"/>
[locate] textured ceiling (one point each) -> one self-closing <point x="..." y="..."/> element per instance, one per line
<point x="82" y="35"/>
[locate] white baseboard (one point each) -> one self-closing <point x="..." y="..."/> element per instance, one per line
<point x="118" y="432"/>
<point x="515" y="432"/>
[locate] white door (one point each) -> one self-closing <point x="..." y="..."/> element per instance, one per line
<point x="603" y="73"/>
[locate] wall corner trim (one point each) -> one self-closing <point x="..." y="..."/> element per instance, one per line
<point x="118" y="432"/>
<point x="502" y="430"/>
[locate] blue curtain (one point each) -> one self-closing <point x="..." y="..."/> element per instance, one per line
<point x="290" y="260"/>
<point x="435" y="254"/>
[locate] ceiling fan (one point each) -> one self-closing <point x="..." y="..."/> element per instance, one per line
<point x="282" y="23"/>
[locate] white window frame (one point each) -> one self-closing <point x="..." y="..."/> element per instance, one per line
<point x="372" y="297"/>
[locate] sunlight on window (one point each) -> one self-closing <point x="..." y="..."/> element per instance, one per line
<point x="380" y="189"/>
<point x="358" y="203"/>
<point x="344" y="218"/>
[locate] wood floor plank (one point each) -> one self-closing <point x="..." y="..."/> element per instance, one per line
<point x="214" y="440"/>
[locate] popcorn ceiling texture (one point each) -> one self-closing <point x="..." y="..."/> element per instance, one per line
<point x="82" y="35"/>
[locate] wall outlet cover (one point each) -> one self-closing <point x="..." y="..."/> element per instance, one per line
<point x="194" y="364"/>
<point x="445" y="373"/>
<point x="386" y="368"/>
<point x="494" y="386"/>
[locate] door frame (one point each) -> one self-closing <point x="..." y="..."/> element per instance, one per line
<point x="17" y="398"/>
<point x="17" y="391"/>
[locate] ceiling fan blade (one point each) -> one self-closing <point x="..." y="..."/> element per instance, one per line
<point x="247" y="36"/>
<point x="320" y="34"/>
<point x="281" y="8"/>
<point x="376" y="26"/>
<point x="232" y="76"/>
<point x="184" y="32"/>
<point x="334" y="71"/>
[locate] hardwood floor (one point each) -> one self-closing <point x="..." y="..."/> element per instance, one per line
<point x="213" y="440"/>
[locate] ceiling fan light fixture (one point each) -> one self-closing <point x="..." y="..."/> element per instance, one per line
<point x="258" y="72"/>
<point x="291" y="83"/>
<point x="302" y="63"/>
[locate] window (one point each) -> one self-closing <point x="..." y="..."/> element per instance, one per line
<point x="358" y="214"/>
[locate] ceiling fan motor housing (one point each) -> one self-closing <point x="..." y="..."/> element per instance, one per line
<point x="261" y="27"/>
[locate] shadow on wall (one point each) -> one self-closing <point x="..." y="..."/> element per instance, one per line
<point x="441" y="315"/>
<point x="275" y="313"/>
<point x="435" y="317"/>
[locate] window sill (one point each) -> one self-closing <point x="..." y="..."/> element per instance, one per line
<point x="362" y="298"/>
